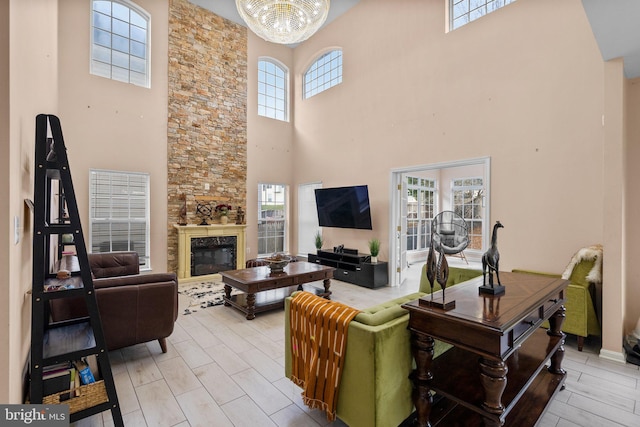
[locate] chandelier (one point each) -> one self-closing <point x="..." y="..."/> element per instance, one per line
<point x="283" y="21"/>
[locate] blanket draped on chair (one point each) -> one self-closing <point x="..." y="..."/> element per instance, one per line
<point x="318" y="345"/>
<point x="589" y="253"/>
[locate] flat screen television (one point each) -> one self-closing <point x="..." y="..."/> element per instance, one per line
<point x="344" y="207"/>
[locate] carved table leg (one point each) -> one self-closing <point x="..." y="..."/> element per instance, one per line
<point x="327" y="285"/>
<point x="422" y="350"/>
<point x="555" y="330"/>
<point x="493" y="375"/>
<point x="251" y="306"/>
<point x="227" y="294"/>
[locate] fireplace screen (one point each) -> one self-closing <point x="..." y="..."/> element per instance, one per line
<point x="210" y="255"/>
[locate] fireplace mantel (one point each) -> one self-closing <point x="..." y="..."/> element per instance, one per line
<point x="191" y="231"/>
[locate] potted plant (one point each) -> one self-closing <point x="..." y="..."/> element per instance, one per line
<point x="319" y="241"/>
<point x="223" y="211"/>
<point x="374" y="249"/>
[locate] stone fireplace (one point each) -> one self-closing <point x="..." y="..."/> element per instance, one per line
<point x="207" y="117"/>
<point x="206" y="250"/>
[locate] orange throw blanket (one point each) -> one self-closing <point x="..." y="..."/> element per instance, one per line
<point x="318" y="345"/>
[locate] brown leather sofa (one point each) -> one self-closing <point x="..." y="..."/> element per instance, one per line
<point x="134" y="308"/>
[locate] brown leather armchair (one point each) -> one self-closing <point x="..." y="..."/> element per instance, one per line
<point x="134" y="308"/>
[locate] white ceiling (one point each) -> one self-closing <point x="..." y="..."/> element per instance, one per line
<point x="615" y="25"/>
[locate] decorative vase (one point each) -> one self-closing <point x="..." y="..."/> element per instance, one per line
<point x="374" y="259"/>
<point x="224" y="219"/>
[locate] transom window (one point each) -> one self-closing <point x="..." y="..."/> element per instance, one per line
<point x="119" y="213"/>
<point x="273" y="80"/>
<point x="272" y="218"/>
<point x="468" y="202"/>
<point x="326" y="72"/>
<point x="464" y="11"/>
<point x="120" y="42"/>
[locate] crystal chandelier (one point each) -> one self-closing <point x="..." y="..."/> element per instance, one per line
<point x="283" y="21"/>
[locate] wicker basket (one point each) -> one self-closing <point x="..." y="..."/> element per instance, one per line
<point x="87" y="396"/>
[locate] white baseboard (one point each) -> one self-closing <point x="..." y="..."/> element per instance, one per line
<point x="614" y="356"/>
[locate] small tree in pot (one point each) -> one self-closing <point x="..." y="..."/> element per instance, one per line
<point x="374" y="249"/>
<point x="319" y="241"/>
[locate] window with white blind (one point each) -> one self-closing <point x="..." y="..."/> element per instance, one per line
<point x="120" y="42"/>
<point x="119" y="213"/>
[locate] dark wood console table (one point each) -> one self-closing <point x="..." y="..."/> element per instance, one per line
<point x="260" y="282"/>
<point x="496" y="372"/>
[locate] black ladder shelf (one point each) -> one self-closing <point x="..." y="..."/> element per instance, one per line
<point x="56" y="226"/>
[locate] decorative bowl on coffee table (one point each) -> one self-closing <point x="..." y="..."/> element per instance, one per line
<point x="277" y="262"/>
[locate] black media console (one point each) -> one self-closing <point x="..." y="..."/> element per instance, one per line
<point x="353" y="267"/>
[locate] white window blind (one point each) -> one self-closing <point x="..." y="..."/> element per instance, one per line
<point x="119" y="213"/>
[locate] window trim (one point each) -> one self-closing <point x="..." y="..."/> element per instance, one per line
<point x="286" y="99"/>
<point x="147" y="17"/>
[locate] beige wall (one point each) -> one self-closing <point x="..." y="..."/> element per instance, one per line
<point x="632" y="158"/>
<point x="530" y="96"/>
<point x="32" y="81"/>
<point x="270" y="145"/>
<point x="5" y="193"/>
<point x="113" y="125"/>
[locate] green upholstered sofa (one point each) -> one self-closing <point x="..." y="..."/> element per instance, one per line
<point x="375" y="390"/>
<point x="581" y="319"/>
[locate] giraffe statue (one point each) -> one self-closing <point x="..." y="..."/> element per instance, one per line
<point x="491" y="258"/>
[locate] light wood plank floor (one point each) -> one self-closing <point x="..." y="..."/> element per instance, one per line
<point x="222" y="370"/>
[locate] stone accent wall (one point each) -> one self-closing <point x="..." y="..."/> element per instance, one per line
<point x="207" y="114"/>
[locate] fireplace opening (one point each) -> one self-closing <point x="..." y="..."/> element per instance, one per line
<point x="210" y="255"/>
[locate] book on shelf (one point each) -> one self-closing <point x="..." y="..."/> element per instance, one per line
<point x="85" y="374"/>
<point x="57" y="378"/>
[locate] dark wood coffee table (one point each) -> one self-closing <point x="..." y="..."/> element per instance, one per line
<point x="264" y="290"/>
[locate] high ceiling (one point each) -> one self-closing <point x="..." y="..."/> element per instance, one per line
<point x="615" y="25"/>
<point x="227" y="9"/>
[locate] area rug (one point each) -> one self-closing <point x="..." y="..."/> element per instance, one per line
<point x="203" y="295"/>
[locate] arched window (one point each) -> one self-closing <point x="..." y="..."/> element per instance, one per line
<point x="120" y="42"/>
<point x="464" y="11"/>
<point x="273" y="93"/>
<point x="324" y="73"/>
